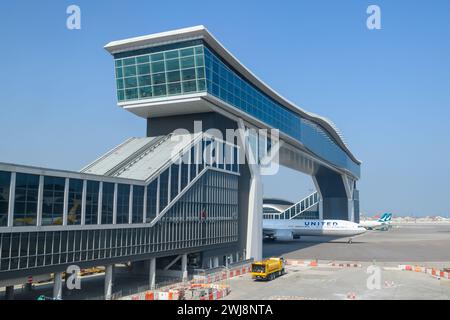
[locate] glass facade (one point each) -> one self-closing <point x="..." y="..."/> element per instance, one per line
<point x="182" y="68"/>
<point x="53" y="201"/>
<point x="152" y="199"/>
<point x="164" y="189"/>
<point x="208" y="212"/>
<point x="75" y="202"/>
<point x="138" y="204"/>
<point x="92" y="196"/>
<point x="160" y="74"/>
<point x="123" y="204"/>
<point x="26" y="199"/>
<point x="226" y="84"/>
<point x="107" y="203"/>
<point x="5" y="181"/>
<point x="37" y="196"/>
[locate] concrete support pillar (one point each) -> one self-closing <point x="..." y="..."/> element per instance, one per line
<point x="351" y="211"/>
<point x="254" y="226"/>
<point x="320" y="209"/>
<point x="152" y="274"/>
<point x="348" y="185"/>
<point x="57" y="286"/>
<point x="9" y="293"/>
<point x="184" y="267"/>
<point x="254" y="239"/>
<point x="320" y="204"/>
<point x="216" y="262"/>
<point x="109" y="270"/>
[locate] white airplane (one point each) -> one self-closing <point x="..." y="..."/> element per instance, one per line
<point x="381" y="224"/>
<point x="284" y="229"/>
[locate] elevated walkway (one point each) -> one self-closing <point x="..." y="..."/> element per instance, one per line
<point x="141" y="158"/>
<point x="306" y="208"/>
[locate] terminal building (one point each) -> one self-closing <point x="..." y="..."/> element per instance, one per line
<point x="179" y="193"/>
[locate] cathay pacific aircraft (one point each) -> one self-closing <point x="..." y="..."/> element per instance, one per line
<point x="289" y="229"/>
<point x="381" y="224"/>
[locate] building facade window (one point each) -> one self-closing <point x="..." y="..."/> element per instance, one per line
<point x="26" y="199"/>
<point x="53" y="201"/>
<point x="107" y="203"/>
<point x="75" y="201"/>
<point x="193" y="162"/>
<point x="138" y="204"/>
<point x="152" y="198"/>
<point x="165" y="73"/>
<point x="123" y="203"/>
<point x="174" y="174"/>
<point x="163" y="189"/>
<point x="5" y="182"/>
<point x="91" y="209"/>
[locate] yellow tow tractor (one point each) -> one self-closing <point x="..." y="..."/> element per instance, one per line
<point x="268" y="269"/>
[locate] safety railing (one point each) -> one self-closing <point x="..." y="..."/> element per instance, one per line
<point x="296" y="209"/>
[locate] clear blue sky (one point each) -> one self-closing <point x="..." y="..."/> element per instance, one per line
<point x="388" y="90"/>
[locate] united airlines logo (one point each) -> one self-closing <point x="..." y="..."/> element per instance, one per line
<point x="320" y="224"/>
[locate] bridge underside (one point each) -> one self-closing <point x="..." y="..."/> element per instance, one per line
<point x="337" y="188"/>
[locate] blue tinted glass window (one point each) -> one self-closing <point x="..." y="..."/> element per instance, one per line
<point x="107" y="203"/>
<point x="152" y="190"/>
<point x="138" y="204"/>
<point x="193" y="162"/>
<point x="123" y="203"/>
<point x="187" y="62"/>
<point x="75" y="201"/>
<point x="158" y="67"/>
<point x="163" y="189"/>
<point x="145" y="81"/>
<point x="174" y="180"/>
<point x="159" y="78"/>
<point x="129" y="61"/>
<point x="144" y="68"/>
<point x="92" y="194"/>
<point x="174" y="88"/>
<point x="53" y="201"/>
<point x="173" y="64"/>
<point x="187" y="52"/>
<point x="143" y="59"/>
<point x="5" y="181"/>
<point x="171" y="54"/>
<point x="129" y="71"/>
<point x="159" y="90"/>
<point x="173" y="76"/>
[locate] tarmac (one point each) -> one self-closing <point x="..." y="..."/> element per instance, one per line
<point x="376" y="252"/>
<point x="402" y="243"/>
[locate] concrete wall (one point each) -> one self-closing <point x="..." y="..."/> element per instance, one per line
<point x="210" y="120"/>
<point x="335" y="202"/>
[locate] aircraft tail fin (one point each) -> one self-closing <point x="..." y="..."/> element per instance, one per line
<point x="386" y="217"/>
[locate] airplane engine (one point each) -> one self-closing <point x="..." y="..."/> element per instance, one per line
<point x="284" y="235"/>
